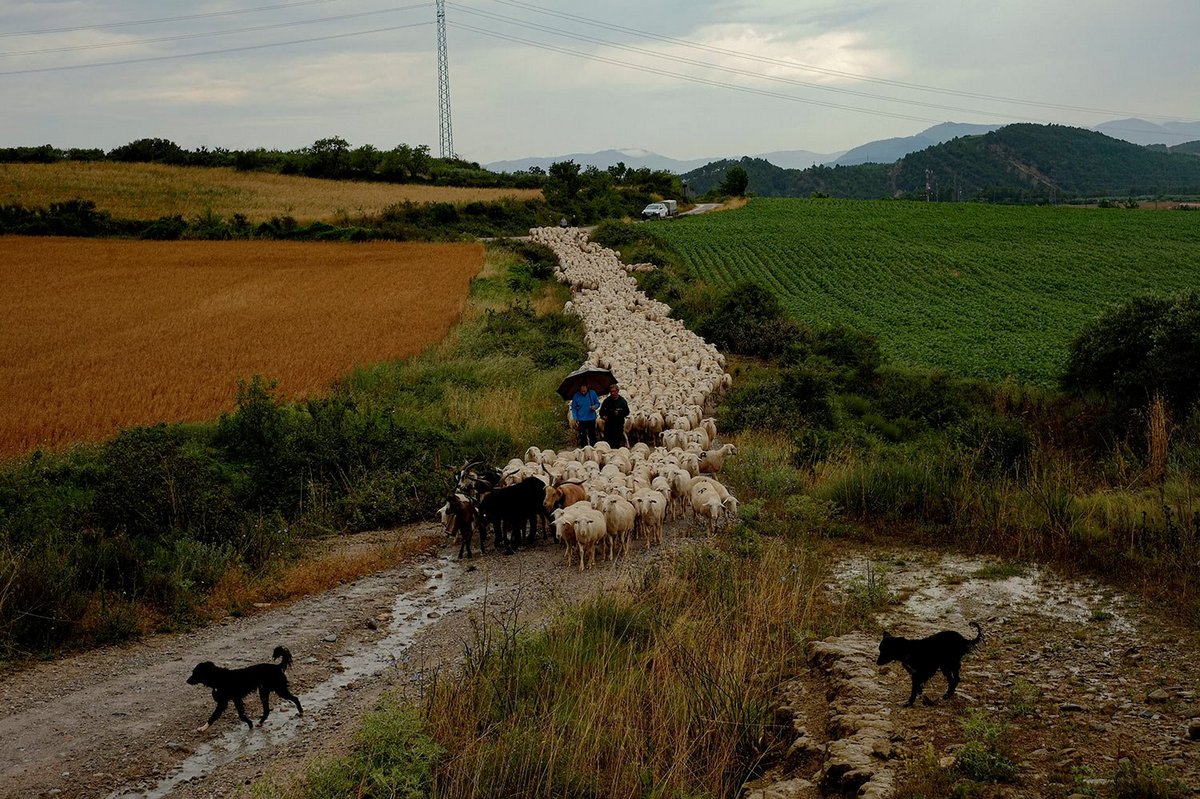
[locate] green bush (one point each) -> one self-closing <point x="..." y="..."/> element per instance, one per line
<point x="786" y="400"/>
<point x="1148" y="345"/>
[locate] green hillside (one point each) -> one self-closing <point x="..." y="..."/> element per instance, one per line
<point x="981" y="290"/>
<point x="1017" y="163"/>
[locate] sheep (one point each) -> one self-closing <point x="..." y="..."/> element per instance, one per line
<point x="651" y="509"/>
<point x="713" y="459"/>
<point x="706" y="503"/>
<point x="590" y="530"/>
<point x="564" y="528"/>
<point x="620" y="516"/>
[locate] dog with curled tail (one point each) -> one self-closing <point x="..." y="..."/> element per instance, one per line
<point x="233" y="685"/>
<point x="923" y="657"/>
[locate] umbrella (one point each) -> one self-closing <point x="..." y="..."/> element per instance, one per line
<point x="597" y="379"/>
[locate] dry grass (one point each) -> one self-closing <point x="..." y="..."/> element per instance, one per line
<point x="671" y="683"/>
<point x="101" y="335"/>
<point x="238" y="592"/>
<point x="148" y="191"/>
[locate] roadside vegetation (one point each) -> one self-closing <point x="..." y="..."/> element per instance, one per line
<point x="1101" y="475"/>
<point x="171" y="525"/>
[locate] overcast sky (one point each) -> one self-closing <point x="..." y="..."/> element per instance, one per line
<point x="557" y="76"/>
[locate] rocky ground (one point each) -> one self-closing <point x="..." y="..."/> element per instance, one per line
<point x="1073" y="677"/>
<point x="1080" y="675"/>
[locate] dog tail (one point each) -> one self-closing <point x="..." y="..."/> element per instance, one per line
<point x="284" y="657"/>
<point x="978" y="636"/>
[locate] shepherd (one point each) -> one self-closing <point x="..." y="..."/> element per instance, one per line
<point x="583" y="407"/>
<point x="614" y="411"/>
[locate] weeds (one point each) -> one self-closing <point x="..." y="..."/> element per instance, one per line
<point x="1023" y="698"/>
<point x="1140" y="780"/>
<point x="988" y="754"/>
<point x="1000" y="571"/>
<point x="662" y="688"/>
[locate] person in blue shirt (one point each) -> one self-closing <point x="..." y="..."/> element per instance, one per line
<point x="584" y="404"/>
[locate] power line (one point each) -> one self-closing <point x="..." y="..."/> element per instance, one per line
<point x="735" y="70"/>
<point x="823" y="70"/>
<point x="228" y="31"/>
<point x="689" y="78"/>
<point x="245" y="48"/>
<point x="131" y="23"/>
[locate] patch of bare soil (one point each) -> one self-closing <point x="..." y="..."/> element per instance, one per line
<point x="1082" y="676"/>
<point x="120" y="722"/>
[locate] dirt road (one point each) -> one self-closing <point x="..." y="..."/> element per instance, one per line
<point x="121" y="721"/>
<point x="1084" y="675"/>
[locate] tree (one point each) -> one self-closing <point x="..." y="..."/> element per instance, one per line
<point x="149" y="151"/>
<point x="1148" y="345"/>
<point x="736" y="181"/>
<point x="564" y="181"/>
<point x="327" y="158"/>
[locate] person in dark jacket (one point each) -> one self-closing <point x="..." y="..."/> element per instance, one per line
<point x="583" y="407"/>
<point x="614" y="411"/>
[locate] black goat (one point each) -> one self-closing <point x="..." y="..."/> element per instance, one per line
<point x="517" y="508"/>
<point x="475" y="479"/>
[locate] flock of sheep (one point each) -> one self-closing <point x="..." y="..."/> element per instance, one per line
<point x="598" y="497"/>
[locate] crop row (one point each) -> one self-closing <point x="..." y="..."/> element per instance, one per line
<point x="987" y="291"/>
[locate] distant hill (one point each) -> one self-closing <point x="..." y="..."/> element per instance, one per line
<point x="1190" y="148"/>
<point x="1139" y="131"/>
<point x="1021" y="162"/>
<point x="797" y="159"/>
<point x="637" y="159"/>
<point x="888" y="151"/>
<point x="632" y="158"/>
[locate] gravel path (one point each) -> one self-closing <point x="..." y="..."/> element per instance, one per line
<point x="121" y="721"/>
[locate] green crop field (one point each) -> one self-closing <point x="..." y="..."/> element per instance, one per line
<point x="980" y="290"/>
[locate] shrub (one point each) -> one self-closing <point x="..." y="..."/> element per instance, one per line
<point x="1148" y="345"/>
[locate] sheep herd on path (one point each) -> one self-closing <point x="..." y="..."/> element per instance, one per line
<point x="599" y="497"/>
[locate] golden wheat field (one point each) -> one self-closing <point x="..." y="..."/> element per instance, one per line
<point x="148" y="191"/>
<point x="103" y="334"/>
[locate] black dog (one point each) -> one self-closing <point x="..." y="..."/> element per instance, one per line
<point x="923" y="657"/>
<point x="234" y="684"/>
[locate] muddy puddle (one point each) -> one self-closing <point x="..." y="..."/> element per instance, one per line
<point x="953" y="589"/>
<point x="410" y="613"/>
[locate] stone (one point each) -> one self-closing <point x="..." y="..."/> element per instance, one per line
<point x="371" y="625"/>
<point x="1097" y="782"/>
<point x="1158" y="696"/>
<point x="1194" y="729"/>
<point x="794" y="788"/>
<point x="803" y="747"/>
<point x="1096" y="726"/>
<point x="1070" y="707"/>
<point x="329" y="639"/>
